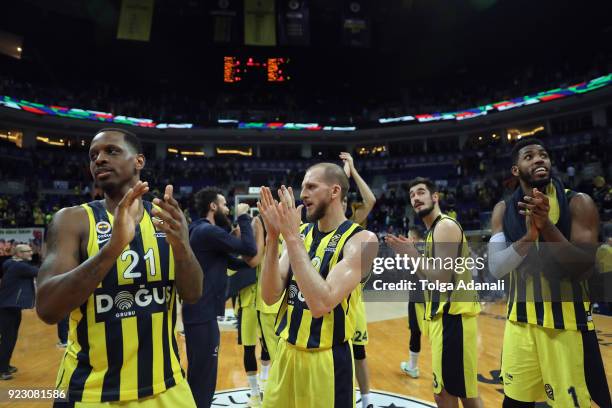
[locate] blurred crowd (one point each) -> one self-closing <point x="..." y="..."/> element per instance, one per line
<point x="470" y="182"/>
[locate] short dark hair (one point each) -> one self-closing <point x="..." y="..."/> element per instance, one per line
<point x="522" y="143"/>
<point x="129" y="137"/>
<point x="204" y="198"/>
<point x="431" y="186"/>
<point x="334" y="174"/>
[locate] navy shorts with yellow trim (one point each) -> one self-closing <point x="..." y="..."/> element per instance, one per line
<point x="454" y="354"/>
<point x="360" y="338"/>
<point x="311" y="379"/>
<point x="562" y="366"/>
<point x="416" y="317"/>
<point x="247" y="326"/>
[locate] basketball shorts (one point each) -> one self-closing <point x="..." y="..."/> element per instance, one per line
<point x="454" y="354"/>
<point x="311" y="379"/>
<point x="247" y="326"/>
<point x="416" y="317"/>
<point x="360" y="338"/>
<point x="269" y="339"/>
<point x="563" y="367"/>
<point x="178" y="396"/>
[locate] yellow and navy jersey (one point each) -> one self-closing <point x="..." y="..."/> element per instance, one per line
<point x="527" y="302"/>
<point x="294" y="322"/>
<point x="532" y="296"/>
<point x="358" y="292"/>
<point x="121" y="341"/>
<point x="455" y="302"/>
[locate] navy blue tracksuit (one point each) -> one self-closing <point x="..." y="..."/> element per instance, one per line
<point x="16" y="293"/>
<point x="212" y="247"/>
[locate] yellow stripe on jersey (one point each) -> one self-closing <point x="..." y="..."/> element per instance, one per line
<point x="295" y="323"/>
<point x="461" y="301"/>
<point x="122" y="344"/>
<point x="532" y="296"/>
<point x="93" y="386"/>
<point x="153" y="267"/>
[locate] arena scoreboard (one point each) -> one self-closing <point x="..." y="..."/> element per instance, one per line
<point x="242" y="69"/>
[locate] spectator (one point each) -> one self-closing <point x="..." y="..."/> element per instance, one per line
<point x="16" y="293"/>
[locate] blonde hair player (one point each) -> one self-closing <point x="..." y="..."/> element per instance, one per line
<point x="321" y="265"/>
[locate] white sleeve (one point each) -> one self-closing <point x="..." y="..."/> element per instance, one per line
<point x="503" y="258"/>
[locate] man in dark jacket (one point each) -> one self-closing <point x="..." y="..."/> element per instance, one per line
<point x="16" y="293"/>
<point x="212" y="246"/>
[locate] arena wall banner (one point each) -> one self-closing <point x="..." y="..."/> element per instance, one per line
<point x="356" y="30"/>
<point x="9" y="237"/>
<point x="294" y="22"/>
<point x="135" y="20"/>
<point x="259" y="23"/>
<point x="224" y="16"/>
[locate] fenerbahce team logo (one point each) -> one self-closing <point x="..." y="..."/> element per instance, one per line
<point x="103" y="230"/>
<point x="379" y="399"/>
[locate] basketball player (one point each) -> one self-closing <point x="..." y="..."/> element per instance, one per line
<point x="314" y="363"/>
<point x="115" y="266"/>
<point x="550" y="347"/>
<point x="416" y="317"/>
<point x="359" y="215"/>
<point x="359" y="211"/>
<point x="452" y="318"/>
<point x="266" y="315"/>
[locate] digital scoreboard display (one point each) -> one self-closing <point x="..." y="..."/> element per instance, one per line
<point x="271" y="69"/>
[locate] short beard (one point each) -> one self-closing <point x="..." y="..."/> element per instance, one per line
<point x="222" y="220"/>
<point x="539" y="184"/>
<point x="318" y="213"/>
<point x="425" y="212"/>
<point x="108" y="188"/>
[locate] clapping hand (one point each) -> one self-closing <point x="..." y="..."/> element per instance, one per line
<point x="402" y="245"/>
<point x="126" y="216"/>
<point x="267" y="207"/>
<point x="169" y="218"/>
